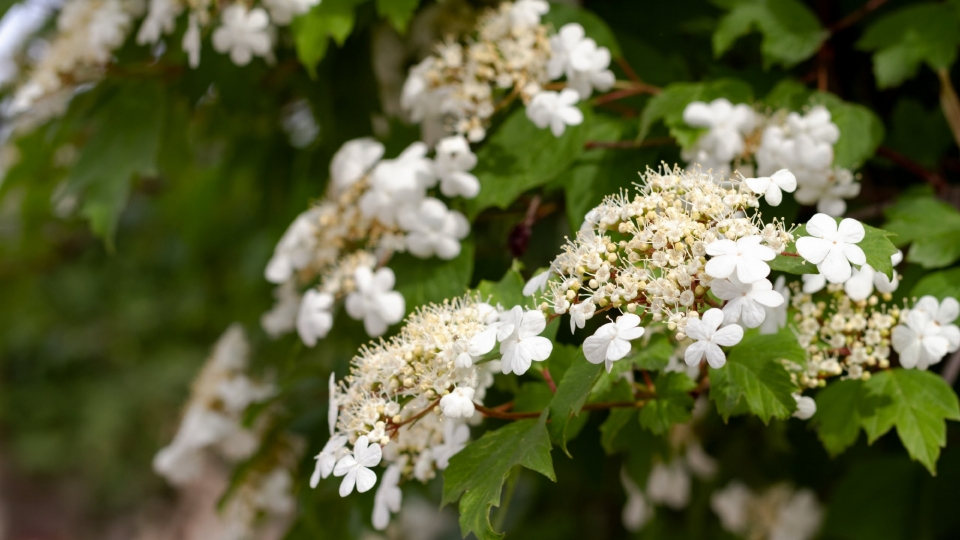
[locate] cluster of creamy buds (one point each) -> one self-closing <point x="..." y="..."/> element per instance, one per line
<point x="738" y="137"/>
<point x="213" y="418"/>
<point x="512" y="55"/>
<point x="407" y="401"/>
<point x="669" y="483"/>
<point x="373" y="208"/>
<point x="778" y="512"/>
<point x="657" y="254"/>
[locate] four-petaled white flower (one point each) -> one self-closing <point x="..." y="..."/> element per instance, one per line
<point x="374" y="300"/>
<point x="669" y="485"/>
<point x="943" y="315"/>
<point x="555" y="109"/>
<point x="459" y="403"/>
<point x="919" y="342"/>
<point x="861" y="284"/>
<point x="806" y="407"/>
<point x="454" y="158"/>
<point x="398" y="183"/>
<point x="244" y="33"/>
<point x="328" y="457"/>
<point x="580" y="59"/>
<point x="353" y="160"/>
<point x="745" y="256"/>
<point x="355" y="468"/>
<point x="746" y="301"/>
<point x="388" y="497"/>
<point x="315" y="318"/>
<point x="520" y="340"/>
<point x="727" y="124"/>
<point x="709" y="337"/>
<point x="772" y="186"/>
<point x="832" y="248"/>
<point x="776" y="316"/>
<point x="433" y="229"/>
<point x="580" y="312"/>
<point x="455" y="437"/>
<point x="611" y="342"/>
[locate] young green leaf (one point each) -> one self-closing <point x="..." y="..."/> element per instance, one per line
<point x="673" y="404"/>
<point x="398" y="12"/>
<point x="572" y="392"/>
<point x="940" y="284"/>
<point x="476" y="474"/>
<point x="507" y="292"/>
<point x="313" y="30"/>
<point x="930" y="226"/>
<point x="838" y="416"/>
<point x="791" y="32"/>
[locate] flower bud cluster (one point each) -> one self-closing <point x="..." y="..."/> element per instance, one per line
<point x="739" y="137"/>
<point x="373" y="208"/>
<point x="511" y="55"/>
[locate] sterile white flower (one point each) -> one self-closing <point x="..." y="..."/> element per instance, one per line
<point x="772" y="186"/>
<point x="398" y="183"/>
<point x="806" y="407"/>
<point x="283" y="11"/>
<point x="454" y="158"/>
<point x="669" y="485"/>
<point x="813" y="283"/>
<point x="527" y="13"/>
<point x="636" y="511"/>
<point x="520" y="342"/>
<point x="730" y="504"/>
<point x="709" y="337"/>
<point x="556" y="110"/>
<point x="282" y="317"/>
<point x="580" y="59"/>
<point x="455" y="437"/>
<point x="799" y="518"/>
<point x="191" y="40"/>
<point x="388" y="497"/>
<point x="355" y="467"/>
<point x="919" y="341"/>
<point x="832" y="248"/>
<point x="537" y="283"/>
<point x="745" y="256"/>
<point x="295" y="248"/>
<point x="458" y="403"/>
<point x="943" y="315"/>
<point x="315" y="318"/>
<point x="727" y="124"/>
<point x="243" y="33"/>
<point x="433" y="229"/>
<point x="611" y="342"/>
<point x="353" y="160"/>
<point x="374" y="300"/>
<point x="746" y="301"/>
<point x="579" y="313"/>
<point x="328" y="457"/>
<point x="776" y="317"/>
<point x="161" y="19"/>
<point x="861" y="284"/>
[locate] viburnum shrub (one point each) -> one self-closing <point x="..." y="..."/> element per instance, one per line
<point x="506" y="250"/>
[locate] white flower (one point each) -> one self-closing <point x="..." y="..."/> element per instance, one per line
<point x="556" y="110"/>
<point x="746" y="256"/>
<point x="161" y="19"/>
<point x="527" y="13"/>
<point x="943" y="315"/>
<point x="776" y="317"/>
<point x="813" y="283"/>
<point x="191" y="40"/>
<point x="388" y="497"/>
<point x="327" y="458"/>
<point x="459" y="403"/>
<point x="832" y="248"/>
<point x="731" y="506"/>
<point x="433" y="229"/>
<point x="333" y="408"/>
<point x="806" y="407"/>
<point x="355" y="468"/>
<point x="580" y="312"/>
<point x="243" y="34"/>
<point x="398" y="183"/>
<point x="746" y="301"/>
<point x="315" y="318"/>
<point x="611" y="342"/>
<point x="374" y="300"/>
<point x="771" y="186"/>
<point x="828" y="191"/>
<point x="295" y="248"/>
<point x="919" y="342"/>
<point x="861" y="284"/>
<point x="636" y="512"/>
<point x="520" y="342"/>
<point x="669" y="485"/>
<point x="537" y="283"/>
<point x="580" y="59"/>
<point x="727" y="124"/>
<point x="709" y="336"/>
<point x="283" y="11"/>
<point x="282" y="317"/>
<point x="181" y="460"/>
<point x="455" y="437"/>
<point x="353" y="160"/>
<point x="454" y="158"/>
<point x="799" y="518"/>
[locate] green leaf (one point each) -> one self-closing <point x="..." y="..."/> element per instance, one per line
<point x="902" y="40"/>
<point x="917" y="403"/>
<point x="940" y="284"/>
<point x="861" y="130"/>
<point x="572" y="392"/>
<point x="422" y="281"/>
<point x="655" y="355"/>
<point x="909" y="118"/>
<point x="313" y="30"/>
<point x="533" y="396"/>
<point x="931" y="226"/>
<point x="507" y="292"/>
<point x="754" y="375"/>
<point x="611" y="427"/>
<point x="476" y="474"/>
<point x="791" y="32"/>
<point x="668" y="105"/>
<point x="125" y="144"/>
<point x="519" y="156"/>
<point x="788" y="94"/>
<point x="398" y="12"/>
<point x="673" y="404"/>
<point x="594" y="27"/>
<point x="838" y="417"/>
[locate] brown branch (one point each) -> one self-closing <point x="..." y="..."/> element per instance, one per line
<point x="934" y="178"/>
<point x="549" y="379"/>
<point x="628" y="69"/>
<point x="636" y="89"/>
<point x="855" y="17"/>
<point x="419" y="415"/>
<point x="519" y="238"/>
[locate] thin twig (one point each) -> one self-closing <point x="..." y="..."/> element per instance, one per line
<point x="634" y="90"/>
<point x="855" y="17"/>
<point x="628" y="69"/>
<point x="549" y="379"/>
<point x="934" y="178"/>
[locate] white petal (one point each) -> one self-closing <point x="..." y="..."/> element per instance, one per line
<point x="813" y="249"/>
<point x="712" y="319"/>
<point x="728" y="336"/>
<point x="366" y="479"/>
<point x="750" y="270"/>
<point x="618" y="349"/>
<point x="835" y="267"/>
<point x="715" y="356"/>
<point x="851" y="231"/>
<point x="346" y="486"/>
<point x="721" y="266"/>
<point x="695" y="352"/>
<point x="854" y="254"/>
<point x="821" y="225"/>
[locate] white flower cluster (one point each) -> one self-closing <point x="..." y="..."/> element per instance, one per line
<point x="779" y="512"/>
<point x="407" y="400"/>
<point x="926" y="332"/>
<point x="739" y="137"/>
<point x="264" y="501"/>
<point x="511" y="56"/>
<point x="373" y="208"/>
<point x="213" y="417"/>
<point x="655" y="256"/>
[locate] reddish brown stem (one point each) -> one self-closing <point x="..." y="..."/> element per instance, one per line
<point x="628" y="69"/>
<point x="933" y="178"/>
<point x="549" y="379"/>
<point x="646" y="379"/>
<point x="855" y="17"/>
<point x="416" y="417"/>
<point x="639" y="88"/>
